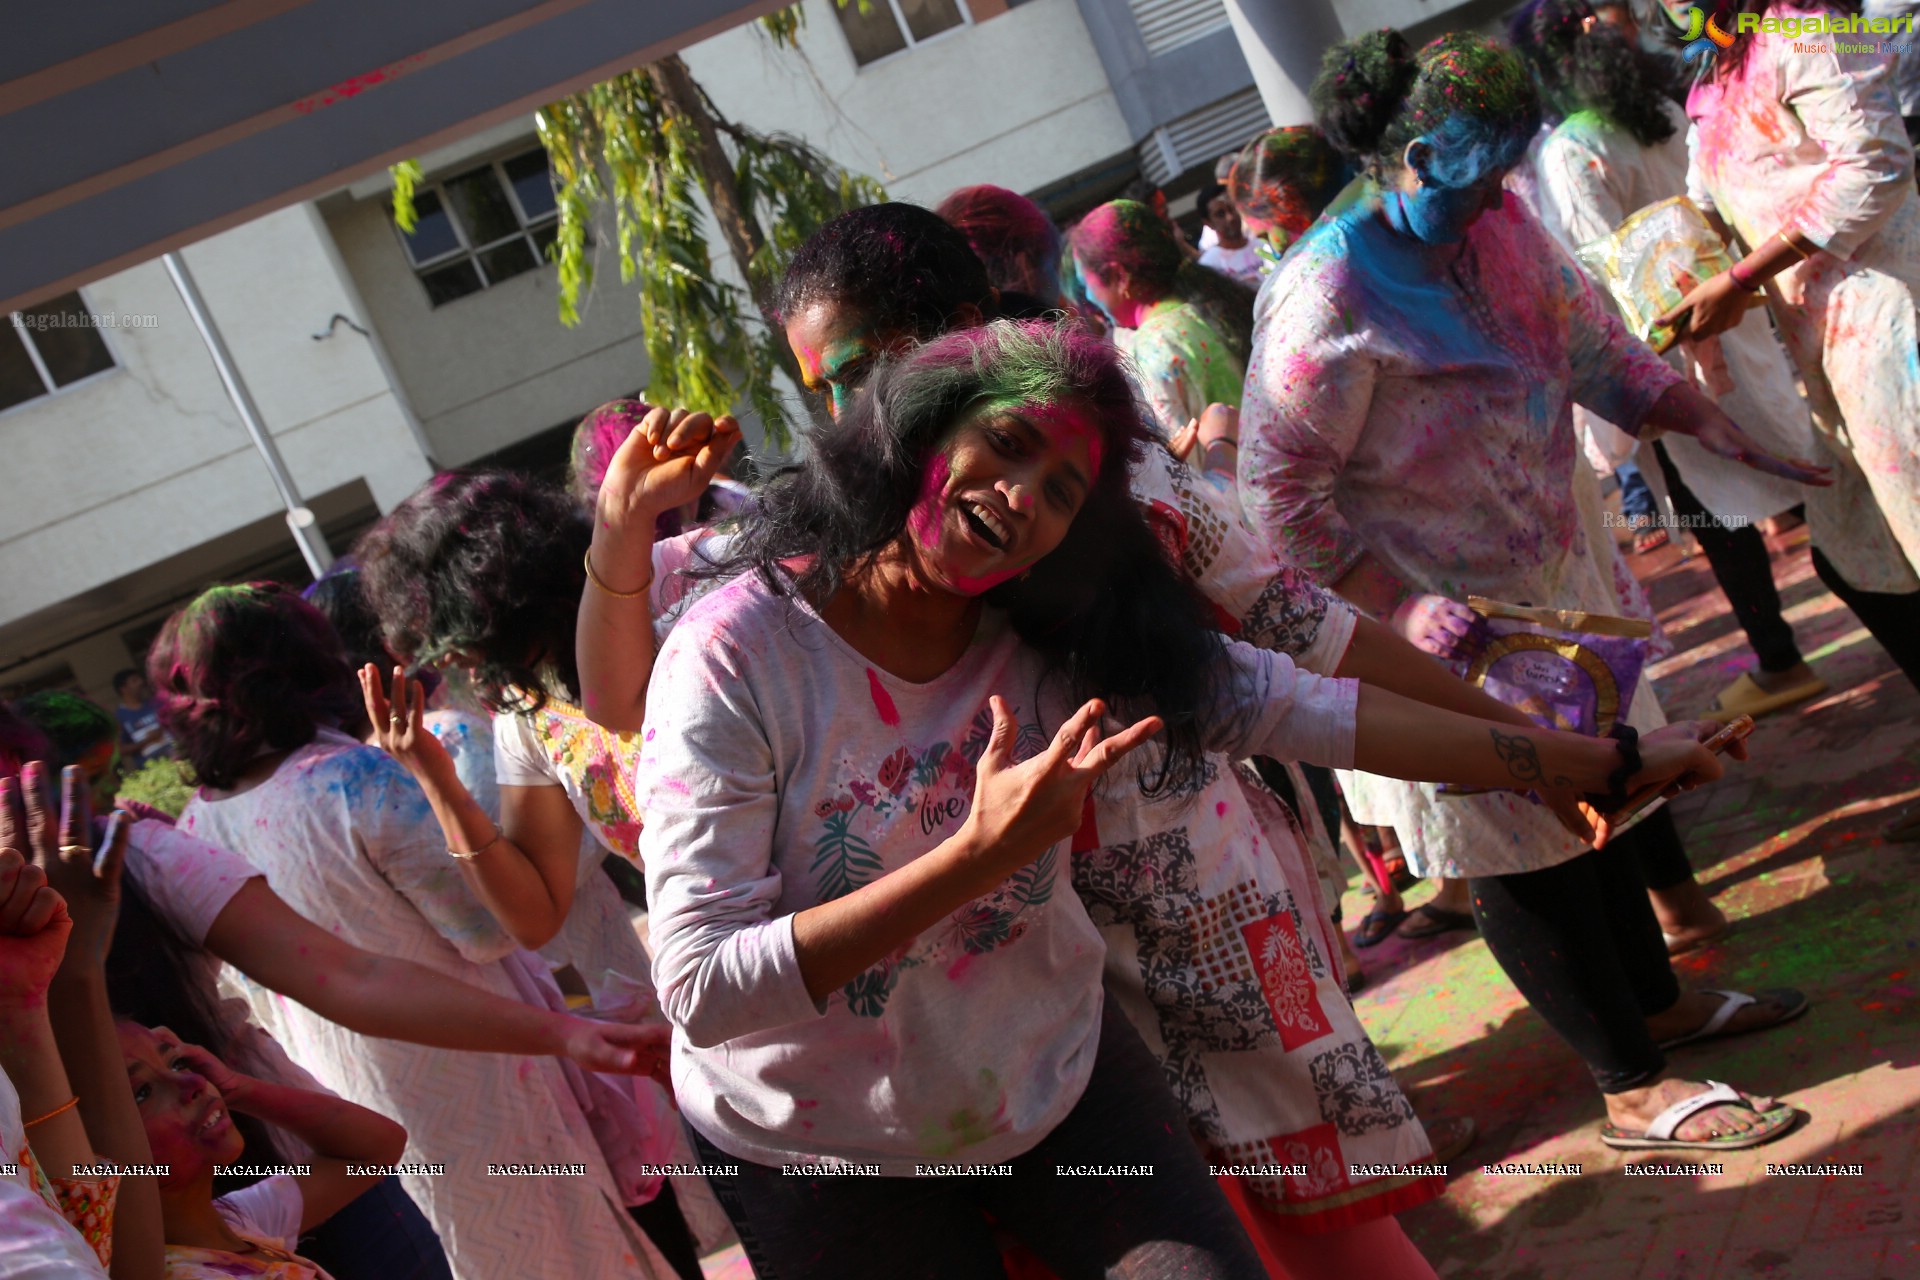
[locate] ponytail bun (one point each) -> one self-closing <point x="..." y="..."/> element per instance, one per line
<point x="1361" y="90"/>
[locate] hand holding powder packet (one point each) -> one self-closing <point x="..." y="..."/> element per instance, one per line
<point x="1652" y="260"/>
<point x="1563" y="668"/>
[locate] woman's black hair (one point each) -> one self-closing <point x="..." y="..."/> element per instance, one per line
<point x="1127" y="236"/>
<point x="338" y="593"/>
<point x="245" y="670"/>
<point x="1581" y="64"/>
<point x="158" y="979"/>
<point x="906" y="269"/>
<point x="487" y="564"/>
<point x="1112" y="615"/>
<point x="1468" y="93"/>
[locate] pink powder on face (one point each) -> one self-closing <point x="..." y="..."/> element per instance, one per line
<point x="882" y="700"/>
<point x="924" y="519"/>
<point x="1068" y="423"/>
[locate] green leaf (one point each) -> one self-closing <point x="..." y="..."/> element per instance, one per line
<point x="406" y="178"/>
<point x="842" y="860"/>
<point x="1032" y="884"/>
<point x="619" y="150"/>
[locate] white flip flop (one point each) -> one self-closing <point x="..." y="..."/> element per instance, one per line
<point x="1660" y="1133"/>
<point x="1731" y="1003"/>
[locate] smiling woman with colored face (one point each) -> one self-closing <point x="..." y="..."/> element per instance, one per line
<point x="866" y="755"/>
<point x="187" y="1099"/>
<point x="1004" y="493"/>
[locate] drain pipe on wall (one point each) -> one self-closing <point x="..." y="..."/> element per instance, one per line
<point x="300" y="518"/>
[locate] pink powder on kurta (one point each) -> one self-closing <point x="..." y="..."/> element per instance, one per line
<point x="882" y="700"/>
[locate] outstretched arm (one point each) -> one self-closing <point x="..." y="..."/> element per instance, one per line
<point x="260" y="935"/>
<point x="1401" y="738"/>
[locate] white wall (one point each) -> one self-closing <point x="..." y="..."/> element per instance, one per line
<point x="1020" y="99"/>
<point x="1357" y="16"/>
<point x="149" y="459"/>
<point x="484" y="371"/>
<point x="148" y="462"/>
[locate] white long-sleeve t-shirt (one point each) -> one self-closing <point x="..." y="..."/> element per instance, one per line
<point x="780" y="770"/>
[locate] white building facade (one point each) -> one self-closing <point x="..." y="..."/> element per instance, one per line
<point x="130" y="483"/>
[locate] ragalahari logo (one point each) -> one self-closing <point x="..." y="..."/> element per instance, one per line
<point x="1704" y="37"/>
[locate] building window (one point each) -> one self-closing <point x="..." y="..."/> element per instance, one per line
<point x="483" y="226"/>
<point x="47" y="347"/>
<point x="878" y="29"/>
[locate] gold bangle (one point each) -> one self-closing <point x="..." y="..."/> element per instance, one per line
<point x="62" y="1109"/>
<point x="498" y="836"/>
<point x="1782" y="236"/>
<point x="594" y="578"/>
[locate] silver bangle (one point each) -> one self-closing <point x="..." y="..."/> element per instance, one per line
<point x="498" y="836"/>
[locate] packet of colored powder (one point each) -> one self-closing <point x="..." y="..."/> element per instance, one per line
<point x="1564" y="669"/>
<point x="1653" y="260"/>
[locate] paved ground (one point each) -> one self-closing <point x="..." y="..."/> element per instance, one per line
<point x="1788" y="846"/>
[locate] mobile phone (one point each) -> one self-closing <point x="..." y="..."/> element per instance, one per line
<point x="1734" y="730"/>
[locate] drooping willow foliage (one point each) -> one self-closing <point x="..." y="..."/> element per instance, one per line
<point x="651" y="146"/>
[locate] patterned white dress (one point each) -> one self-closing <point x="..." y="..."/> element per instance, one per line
<point x="1592" y="174"/>
<point x="344" y="835"/>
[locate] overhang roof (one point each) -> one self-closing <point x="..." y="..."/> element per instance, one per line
<point x="130" y="127"/>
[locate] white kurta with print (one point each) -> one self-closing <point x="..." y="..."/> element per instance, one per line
<point x="1417" y="406"/>
<point x="344" y="835"/>
<point x="1802" y="139"/>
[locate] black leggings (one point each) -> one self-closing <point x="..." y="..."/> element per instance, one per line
<point x="1744" y="571"/>
<point x="667" y="1227"/>
<point x="1743" y="567"/>
<point x="1893" y="620"/>
<point x="1581" y="943"/>
<point x="1654" y="842"/>
<point x="1175" y="1223"/>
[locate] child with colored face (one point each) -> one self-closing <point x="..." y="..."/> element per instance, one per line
<point x="187" y="1099"/>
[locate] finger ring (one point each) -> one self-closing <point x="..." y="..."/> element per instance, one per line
<point x="70" y="850"/>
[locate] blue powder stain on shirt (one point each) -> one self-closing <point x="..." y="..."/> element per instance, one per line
<point x="364" y="774"/>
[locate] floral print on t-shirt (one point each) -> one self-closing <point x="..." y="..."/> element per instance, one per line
<point x="603" y="762"/>
<point x="933" y="784"/>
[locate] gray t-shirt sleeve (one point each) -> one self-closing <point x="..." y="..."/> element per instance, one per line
<point x="723" y="958"/>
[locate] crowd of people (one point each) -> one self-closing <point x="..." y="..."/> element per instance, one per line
<point x="982" y="772"/>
